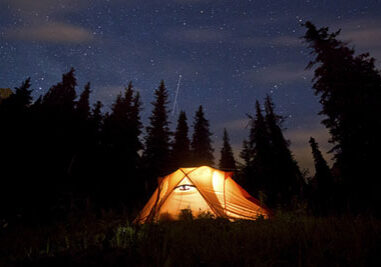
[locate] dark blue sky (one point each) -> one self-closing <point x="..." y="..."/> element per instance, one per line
<point x="229" y="53"/>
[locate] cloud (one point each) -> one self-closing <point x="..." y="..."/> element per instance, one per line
<point x="280" y="41"/>
<point x="46" y="6"/>
<point x="281" y="73"/>
<point x="365" y="38"/>
<point x="363" y="34"/>
<point x="198" y="35"/>
<point x="51" y="33"/>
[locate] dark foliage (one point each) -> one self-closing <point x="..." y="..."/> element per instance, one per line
<point x="285" y="240"/>
<point x="156" y="153"/>
<point x="181" y="155"/>
<point x="322" y="183"/>
<point x="269" y="170"/>
<point x="227" y="161"/>
<point x="201" y="145"/>
<point x="349" y="87"/>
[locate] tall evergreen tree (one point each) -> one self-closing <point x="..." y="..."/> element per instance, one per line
<point x="287" y="179"/>
<point x="62" y="95"/>
<point x="181" y="145"/>
<point x="83" y="104"/>
<point x="246" y="153"/>
<point x="349" y="87"/>
<point x="323" y="180"/>
<point x="260" y="168"/>
<point x="19" y="100"/>
<point x="96" y="117"/>
<point x="16" y="150"/>
<point x="201" y="145"/>
<point x="227" y="160"/>
<point x="122" y="129"/>
<point x="157" y="142"/>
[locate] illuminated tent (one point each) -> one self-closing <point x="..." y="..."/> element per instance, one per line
<point x="202" y="190"/>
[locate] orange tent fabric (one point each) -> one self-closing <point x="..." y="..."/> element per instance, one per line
<point x="201" y="190"/>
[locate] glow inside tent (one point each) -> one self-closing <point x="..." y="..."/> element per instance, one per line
<point x="201" y="190"/>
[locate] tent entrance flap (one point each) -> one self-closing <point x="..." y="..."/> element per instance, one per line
<point x="180" y="199"/>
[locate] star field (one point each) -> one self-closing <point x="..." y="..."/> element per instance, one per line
<point x="229" y="54"/>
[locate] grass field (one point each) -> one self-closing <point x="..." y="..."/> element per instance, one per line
<point x="110" y="240"/>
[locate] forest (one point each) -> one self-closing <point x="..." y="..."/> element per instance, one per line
<point x="73" y="177"/>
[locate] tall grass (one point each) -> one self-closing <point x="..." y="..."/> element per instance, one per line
<point x="284" y="240"/>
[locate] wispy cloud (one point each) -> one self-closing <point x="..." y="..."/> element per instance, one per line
<point x="363" y="34"/>
<point x="281" y="73"/>
<point x="51" y="33"/>
<point x="279" y="41"/>
<point x="25" y="7"/>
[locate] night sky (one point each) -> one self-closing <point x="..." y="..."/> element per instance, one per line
<point x="229" y="53"/>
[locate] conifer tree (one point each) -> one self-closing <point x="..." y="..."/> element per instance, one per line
<point x="227" y="160"/>
<point x="181" y="145"/>
<point x="246" y="153"/>
<point x="323" y="179"/>
<point x="19" y="100"/>
<point x="260" y="167"/>
<point x="157" y="141"/>
<point x="16" y="151"/>
<point x="121" y="131"/>
<point x="201" y="145"/>
<point x="62" y="95"/>
<point x="287" y="180"/>
<point x="83" y="104"/>
<point x="349" y="87"/>
<point x="96" y="117"/>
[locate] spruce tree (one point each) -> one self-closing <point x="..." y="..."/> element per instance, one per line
<point x="121" y="131"/>
<point x="16" y="153"/>
<point x="61" y="96"/>
<point x="181" y="145"/>
<point x="245" y="169"/>
<point x="349" y="87"/>
<point x="19" y="100"/>
<point x="83" y="141"/>
<point x="323" y="180"/>
<point x="260" y="167"/>
<point x="157" y="141"/>
<point x="246" y="153"/>
<point x="201" y="145"/>
<point x="287" y="181"/>
<point x="227" y="161"/>
<point x="83" y="104"/>
<point x="96" y="117"/>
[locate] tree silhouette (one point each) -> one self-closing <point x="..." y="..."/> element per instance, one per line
<point x="16" y="150"/>
<point x="349" y="87"/>
<point x="259" y="168"/>
<point x="227" y="160"/>
<point x="62" y="95"/>
<point x="287" y="179"/>
<point x="322" y="181"/>
<point x="201" y="145"/>
<point x="156" y="154"/>
<point x="96" y="118"/>
<point x="269" y="170"/>
<point x="181" y="145"/>
<point x="83" y="104"/>
<point x="121" y="132"/>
